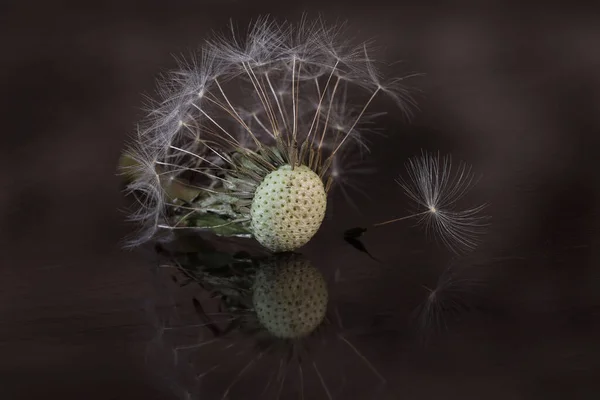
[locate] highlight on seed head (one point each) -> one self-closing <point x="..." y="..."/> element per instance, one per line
<point x="435" y="190"/>
<point x="249" y="129"/>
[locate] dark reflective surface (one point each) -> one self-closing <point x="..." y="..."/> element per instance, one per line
<point x="511" y="90"/>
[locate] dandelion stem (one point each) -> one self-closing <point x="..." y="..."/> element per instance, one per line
<point x="283" y="118"/>
<point x="181" y="169"/>
<point x="240" y="374"/>
<point x="355" y="122"/>
<point x="322" y="381"/>
<point x="297" y="100"/>
<point x="282" y="375"/>
<point x="196" y="346"/>
<point x="239" y="119"/>
<point x="200" y="227"/>
<point x="261" y="95"/>
<point x="203" y="374"/>
<point x="401" y="218"/>
<point x="193" y="155"/>
<point x="329" y="112"/>
<point x="294" y="97"/>
<point x="321" y="96"/>
<point x="301" y="374"/>
<point x="263" y="126"/>
<point x="235" y="141"/>
<point x="363" y="358"/>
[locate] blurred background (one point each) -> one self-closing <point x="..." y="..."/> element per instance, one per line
<point x="513" y="90"/>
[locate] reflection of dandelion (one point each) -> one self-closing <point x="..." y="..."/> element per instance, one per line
<point x="251" y="130"/>
<point x="271" y="319"/>
<point x="451" y="297"/>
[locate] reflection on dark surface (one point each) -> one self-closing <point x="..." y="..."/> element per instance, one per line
<point x="511" y="90"/>
<point x="250" y="326"/>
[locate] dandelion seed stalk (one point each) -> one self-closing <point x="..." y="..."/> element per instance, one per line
<point x="400" y="219"/>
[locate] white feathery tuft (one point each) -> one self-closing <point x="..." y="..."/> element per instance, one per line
<point x="436" y="190"/>
<point x="147" y="190"/>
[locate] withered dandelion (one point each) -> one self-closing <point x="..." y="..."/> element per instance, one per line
<point x="249" y="132"/>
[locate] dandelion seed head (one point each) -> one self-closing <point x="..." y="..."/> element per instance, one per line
<point x="288" y="208"/>
<point x="278" y="95"/>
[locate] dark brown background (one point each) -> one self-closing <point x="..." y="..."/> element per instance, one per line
<point x="515" y="91"/>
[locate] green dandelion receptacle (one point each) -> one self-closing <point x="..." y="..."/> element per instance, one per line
<point x="288" y="208"/>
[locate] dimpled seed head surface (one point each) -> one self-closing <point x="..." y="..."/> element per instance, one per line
<point x="288" y="208"/>
<point x="290" y="300"/>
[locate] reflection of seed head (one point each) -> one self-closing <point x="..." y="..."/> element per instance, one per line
<point x="290" y="298"/>
<point x="288" y="208"/>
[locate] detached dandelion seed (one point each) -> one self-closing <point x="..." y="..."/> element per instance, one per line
<point x="435" y="189"/>
<point x="251" y="128"/>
